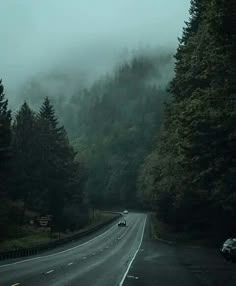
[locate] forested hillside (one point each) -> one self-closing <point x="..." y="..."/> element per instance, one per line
<point x="39" y="172"/>
<point x="112" y="124"/>
<point x="112" y="127"/>
<point x="191" y="173"/>
<point x="146" y="135"/>
<point x="118" y="119"/>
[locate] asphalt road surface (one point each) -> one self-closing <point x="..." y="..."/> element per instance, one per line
<point x="121" y="256"/>
<point x="100" y="260"/>
<point x="161" y="263"/>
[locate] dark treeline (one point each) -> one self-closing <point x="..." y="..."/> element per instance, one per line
<point x="39" y="171"/>
<point x="190" y="176"/>
<point x="133" y="150"/>
<point x="118" y="119"/>
<point x="113" y="124"/>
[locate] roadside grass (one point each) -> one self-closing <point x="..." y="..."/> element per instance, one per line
<point x="31" y="236"/>
<point x="163" y="231"/>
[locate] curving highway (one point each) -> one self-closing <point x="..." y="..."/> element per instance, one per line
<point x="102" y="259"/>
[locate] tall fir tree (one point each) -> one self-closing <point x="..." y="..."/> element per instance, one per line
<point x="5" y="165"/>
<point x="185" y="80"/>
<point x="60" y="173"/>
<point x="5" y="139"/>
<point x="25" y="165"/>
<point x="196" y="155"/>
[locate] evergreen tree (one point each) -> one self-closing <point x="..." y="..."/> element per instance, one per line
<point x="5" y="139"/>
<point x="25" y="155"/>
<point x="50" y="135"/>
<point x="60" y="173"/>
<point x="188" y="67"/>
<point x="196" y="155"/>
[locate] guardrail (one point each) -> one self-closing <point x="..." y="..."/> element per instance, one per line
<point x="53" y="244"/>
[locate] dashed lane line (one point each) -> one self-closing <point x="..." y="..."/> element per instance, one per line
<point x="132" y="277"/>
<point x="50" y="271"/>
<point x="60" y="252"/>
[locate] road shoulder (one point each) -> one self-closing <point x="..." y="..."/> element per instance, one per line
<point x="163" y="264"/>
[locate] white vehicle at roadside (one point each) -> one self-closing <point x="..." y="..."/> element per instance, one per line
<point x="228" y="249"/>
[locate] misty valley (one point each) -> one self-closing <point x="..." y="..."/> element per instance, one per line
<point x="120" y="170"/>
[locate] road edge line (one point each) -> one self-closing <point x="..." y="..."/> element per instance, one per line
<point x="57" y="253"/>
<point x="136" y="252"/>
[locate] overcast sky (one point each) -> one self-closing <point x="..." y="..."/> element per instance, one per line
<point x="37" y="35"/>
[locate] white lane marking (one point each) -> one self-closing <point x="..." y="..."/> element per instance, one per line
<point x="50" y="271"/>
<point x="71" y="263"/>
<point x="132" y="277"/>
<point x="15" y="284"/>
<point x="60" y="252"/>
<point x="84" y="257"/>
<point x="126" y="272"/>
<point x="124" y="233"/>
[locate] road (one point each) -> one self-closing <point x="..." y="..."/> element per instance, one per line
<point x="119" y="256"/>
<point x="103" y="259"/>
<point x="161" y="263"/>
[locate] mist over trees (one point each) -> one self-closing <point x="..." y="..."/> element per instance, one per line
<point x="118" y="120"/>
<point x="191" y="173"/>
<point x="112" y="124"/>
<point x="142" y="137"/>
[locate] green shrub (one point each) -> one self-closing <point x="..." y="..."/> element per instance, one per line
<point x="9" y="219"/>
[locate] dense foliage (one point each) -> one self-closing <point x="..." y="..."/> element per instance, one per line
<point x="185" y="170"/>
<point x="5" y="138"/>
<point x="42" y="172"/>
<point x="191" y="174"/>
<point x="117" y="121"/>
<point x="5" y="153"/>
<point x="113" y="123"/>
<point x="112" y="126"/>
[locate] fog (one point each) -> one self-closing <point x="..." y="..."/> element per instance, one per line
<point x="89" y="36"/>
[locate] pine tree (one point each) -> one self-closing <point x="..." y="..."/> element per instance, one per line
<point x="196" y="155"/>
<point x="49" y="162"/>
<point x="195" y="11"/>
<point x="5" y="139"/>
<point x="186" y="74"/>
<point x="60" y="173"/>
<point x="47" y="114"/>
<point x="24" y="146"/>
